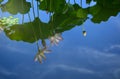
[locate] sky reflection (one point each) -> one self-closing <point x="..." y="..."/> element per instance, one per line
<point x="95" y="56"/>
<point x="75" y="57"/>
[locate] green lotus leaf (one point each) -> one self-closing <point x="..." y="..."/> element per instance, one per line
<point x="88" y="1"/>
<point x="103" y="10"/>
<point x="30" y="32"/>
<point x="1" y="1"/>
<point x="82" y="13"/>
<point x="69" y="19"/>
<point x="17" y="6"/>
<point x="52" y="5"/>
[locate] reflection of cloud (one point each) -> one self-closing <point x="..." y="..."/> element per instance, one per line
<point x="86" y="59"/>
<point x="66" y="68"/>
<point x="97" y="57"/>
<point x="116" y="21"/>
<point x="7" y="44"/>
<point x="104" y="63"/>
<point x="94" y="52"/>
<point x="81" y="61"/>
<point x="113" y="47"/>
<point x="15" y="49"/>
<point x="14" y="46"/>
<point x="5" y="72"/>
<point x="70" y="68"/>
<point x="117" y="73"/>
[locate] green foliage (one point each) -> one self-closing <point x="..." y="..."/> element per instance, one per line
<point x="30" y="32"/>
<point x="65" y="16"/>
<point x="1" y="1"/>
<point x="103" y="10"/>
<point x="8" y="21"/>
<point x="15" y="6"/>
<point x="52" y="5"/>
<point x="33" y="31"/>
<point x="81" y="13"/>
<point x="88" y="1"/>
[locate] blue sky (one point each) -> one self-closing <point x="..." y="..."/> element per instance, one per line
<point x="95" y="56"/>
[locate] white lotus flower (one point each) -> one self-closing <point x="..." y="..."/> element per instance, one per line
<point x="56" y="38"/>
<point x="41" y="54"/>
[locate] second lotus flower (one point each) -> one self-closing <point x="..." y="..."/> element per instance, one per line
<point x="55" y="39"/>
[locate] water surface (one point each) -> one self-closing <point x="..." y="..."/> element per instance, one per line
<point x="95" y="56"/>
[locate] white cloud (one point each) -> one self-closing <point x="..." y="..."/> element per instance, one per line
<point x="112" y="47"/>
<point x="117" y="73"/>
<point x="77" y="69"/>
<point x="115" y="46"/>
<point x="53" y="68"/>
<point x="116" y="21"/>
<point x="15" y="46"/>
<point x="96" y="57"/>
<point x="94" y="53"/>
<point x="15" y="49"/>
<point x="5" y="72"/>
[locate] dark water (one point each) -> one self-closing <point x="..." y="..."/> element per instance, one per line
<point x="96" y="56"/>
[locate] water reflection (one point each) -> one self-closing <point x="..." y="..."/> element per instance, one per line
<point x="95" y="56"/>
<point x="63" y="16"/>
